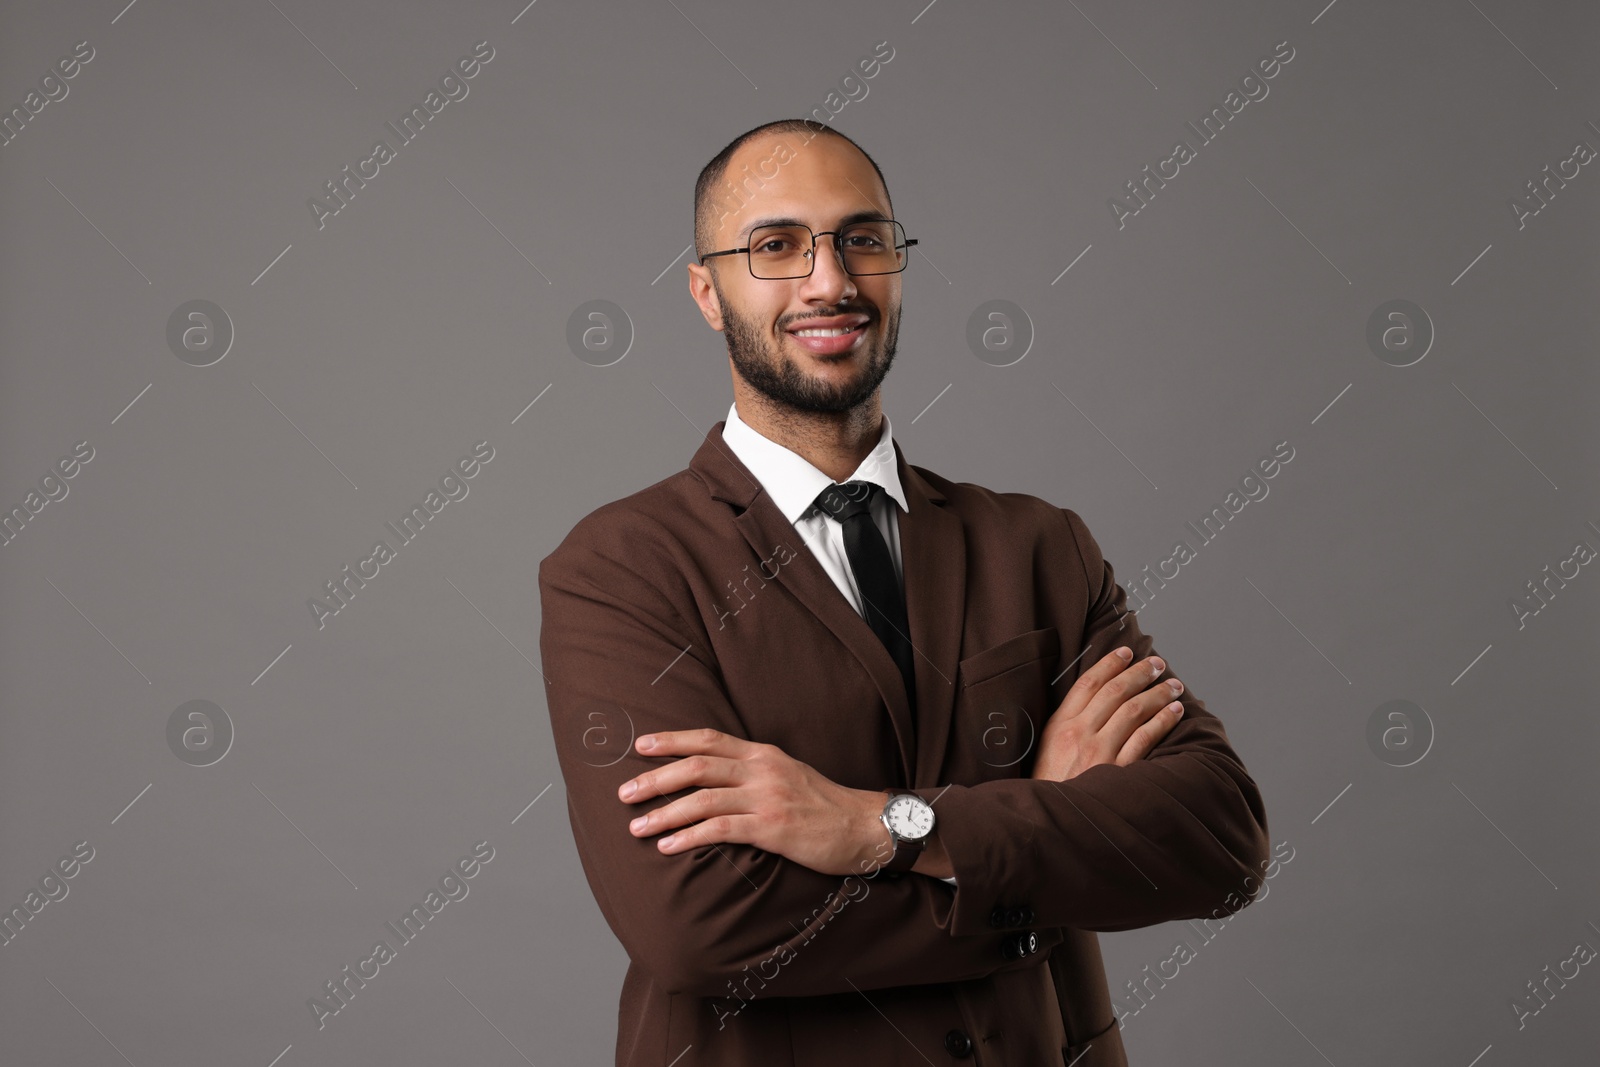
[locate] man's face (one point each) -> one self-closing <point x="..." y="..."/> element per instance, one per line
<point x="819" y="183"/>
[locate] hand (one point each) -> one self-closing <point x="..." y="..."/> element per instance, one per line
<point x="1108" y="716"/>
<point x="750" y="793"/>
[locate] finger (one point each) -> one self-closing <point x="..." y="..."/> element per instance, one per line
<point x="699" y="805"/>
<point x="1150" y="734"/>
<point x="1124" y="687"/>
<point x="1090" y="681"/>
<point x="720" y="829"/>
<point x="686" y="773"/>
<point x="684" y="742"/>
<point x="1138" y="710"/>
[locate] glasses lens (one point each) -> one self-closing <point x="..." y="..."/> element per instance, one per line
<point x="873" y="247"/>
<point x="780" y="252"/>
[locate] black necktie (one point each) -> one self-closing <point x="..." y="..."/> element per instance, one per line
<point x="850" y="505"/>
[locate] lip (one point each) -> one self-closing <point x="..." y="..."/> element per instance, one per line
<point x="831" y="346"/>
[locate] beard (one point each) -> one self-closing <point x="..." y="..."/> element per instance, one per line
<point x="769" y="370"/>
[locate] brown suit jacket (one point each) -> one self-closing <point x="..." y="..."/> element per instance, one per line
<point x="693" y="603"/>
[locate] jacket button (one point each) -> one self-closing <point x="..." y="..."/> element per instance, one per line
<point x="1016" y="917"/>
<point x="997" y="918"/>
<point x="1027" y="915"/>
<point x="1020" y="945"/>
<point x="958" y="1044"/>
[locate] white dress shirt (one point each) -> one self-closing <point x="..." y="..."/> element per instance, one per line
<point x="794" y="485"/>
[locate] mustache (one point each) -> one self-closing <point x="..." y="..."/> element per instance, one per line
<point x="872" y="316"/>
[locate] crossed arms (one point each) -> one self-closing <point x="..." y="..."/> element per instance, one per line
<point x="1153" y="817"/>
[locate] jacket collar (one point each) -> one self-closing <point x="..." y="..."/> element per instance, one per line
<point x="933" y="555"/>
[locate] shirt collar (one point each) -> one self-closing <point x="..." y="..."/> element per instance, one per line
<point x="790" y="479"/>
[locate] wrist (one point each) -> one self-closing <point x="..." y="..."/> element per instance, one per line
<point x="877" y="846"/>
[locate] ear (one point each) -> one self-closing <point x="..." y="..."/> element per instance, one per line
<point x="705" y="295"/>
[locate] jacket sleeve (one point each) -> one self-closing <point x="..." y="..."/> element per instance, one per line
<point x="1179" y="834"/>
<point x="620" y="661"/>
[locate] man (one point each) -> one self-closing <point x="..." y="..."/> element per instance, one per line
<point x="890" y="744"/>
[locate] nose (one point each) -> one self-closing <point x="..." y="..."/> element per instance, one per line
<point x="829" y="282"/>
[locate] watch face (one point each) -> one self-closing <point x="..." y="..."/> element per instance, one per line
<point x="910" y="817"/>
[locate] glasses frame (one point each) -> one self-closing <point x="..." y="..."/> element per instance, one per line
<point x="811" y="256"/>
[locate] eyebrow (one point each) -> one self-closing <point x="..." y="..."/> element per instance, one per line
<point x="848" y="220"/>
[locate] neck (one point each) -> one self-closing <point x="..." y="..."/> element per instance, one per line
<point x="833" y="442"/>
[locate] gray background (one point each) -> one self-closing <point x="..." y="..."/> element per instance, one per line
<point x="1230" y="314"/>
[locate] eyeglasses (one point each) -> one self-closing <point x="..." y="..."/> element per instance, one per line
<point x="872" y="246"/>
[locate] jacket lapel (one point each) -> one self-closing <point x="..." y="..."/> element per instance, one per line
<point x="933" y="558"/>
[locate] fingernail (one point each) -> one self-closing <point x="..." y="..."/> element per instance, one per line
<point x="666" y="840"/>
<point x="1158" y="664"/>
<point x="1125" y="653"/>
<point x="646" y="743"/>
<point x="1174" y="685"/>
<point x="639" y="823"/>
<point x="629" y="789"/>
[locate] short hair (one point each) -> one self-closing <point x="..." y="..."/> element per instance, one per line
<point x="712" y="174"/>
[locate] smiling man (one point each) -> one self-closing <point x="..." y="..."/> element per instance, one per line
<point x="858" y="757"/>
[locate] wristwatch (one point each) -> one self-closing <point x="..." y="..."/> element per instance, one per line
<point x="909" y="820"/>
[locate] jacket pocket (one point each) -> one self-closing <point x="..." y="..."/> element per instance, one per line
<point x="1002" y="699"/>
